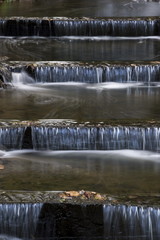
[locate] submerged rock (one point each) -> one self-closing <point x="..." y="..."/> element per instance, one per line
<point x="5" y="76"/>
<point x="4" y="85"/>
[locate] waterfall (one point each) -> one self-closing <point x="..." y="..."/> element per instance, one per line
<point x="48" y="221"/>
<point x="96" y="138"/>
<point x="79" y="27"/>
<point x="21" y="79"/>
<point x="131" y="222"/>
<point x="66" y="73"/>
<point x="97" y="74"/>
<point x="11" y="138"/>
<point x="19" y="219"/>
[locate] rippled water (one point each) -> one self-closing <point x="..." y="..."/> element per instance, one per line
<point x="123" y="171"/>
<point x="74" y="8"/>
<point x="80" y="49"/>
<point x="82" y="102"/>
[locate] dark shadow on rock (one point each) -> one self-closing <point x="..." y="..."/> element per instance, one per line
<point x="69" y="221"/>
<point x="27" y="139"/>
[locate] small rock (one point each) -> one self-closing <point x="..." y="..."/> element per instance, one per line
<point x="4" y="58"/>
<point x="63" y="196"/>
<point x="83" y="197"/>
<point x="99" y="197"/>
<point x="132" y="197"/>
<point x="88" y="195"/>
<point x="81" y="192"/>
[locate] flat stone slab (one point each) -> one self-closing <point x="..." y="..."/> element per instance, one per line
<point x="72" y="123"/>
<point x="79" y="198"/>
<point x="87" y="19"/>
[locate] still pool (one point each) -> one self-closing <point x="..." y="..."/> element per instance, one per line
<point x="113" y="172"/>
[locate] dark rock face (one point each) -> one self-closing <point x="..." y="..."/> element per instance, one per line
<point x="27" y="139"/>
<point x="5" y="76"/>
<point x="70" y="221"/>
<point x="2" y="85"/>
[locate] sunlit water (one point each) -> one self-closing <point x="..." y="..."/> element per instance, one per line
<point x="80" y="49"/>
<point x="81" y="8"/>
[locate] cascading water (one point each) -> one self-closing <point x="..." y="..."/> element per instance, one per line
<point x="79" y="27"/>
<point x="97" y="74"/>
<point x="11" y="138"/>
<point x="96" y="138"/>
<point x="19" y="219"/>
<point x="20" y="79"/>
<point x="81" y="72"/>
<point x="131" y="222"/>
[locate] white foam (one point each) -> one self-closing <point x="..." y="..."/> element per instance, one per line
<point x="125" y="154"/>
<point x="6" y="237"/>
<point x="113" y="85"/>
<point x="21" y="80"/>
<point x="108" y="38"/>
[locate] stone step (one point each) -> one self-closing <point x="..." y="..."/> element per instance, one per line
<point x="48" y="220"/>
<point x="50" y="72"/>
<point x="56" y="26"/>
<point x="80" y="137"/>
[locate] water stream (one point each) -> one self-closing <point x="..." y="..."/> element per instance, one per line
<point x="136" y="222"/>
<point x="18" y="220"/>
<point x="114" y="159"/>
<point x="11" y="138"/>
<point x="80" y="49"/>
<point x="81" y="72"/>
<point x="28" y="100"/>
<point x="45" y="221"/>
<point x="70" y="8"/>
<point x="59" y="27"/>
<point x="113" y="172"/>
<point x="92" y="138"/>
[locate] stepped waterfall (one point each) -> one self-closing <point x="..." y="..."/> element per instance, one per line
<point x="79" y="128"/>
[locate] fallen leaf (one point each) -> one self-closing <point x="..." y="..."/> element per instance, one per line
<point x="1" y="167"/>
<point x="73" y="193"/>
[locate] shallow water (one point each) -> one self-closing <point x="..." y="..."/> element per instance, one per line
<point x="82" y="102"/>
<point x="72" y="8"/>
<point x="115" y="172"/>
<point x="80" y="49"/>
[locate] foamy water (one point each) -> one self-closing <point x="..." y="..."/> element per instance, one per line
<point x="23" y="81"/>
<point x="115" y="154"/>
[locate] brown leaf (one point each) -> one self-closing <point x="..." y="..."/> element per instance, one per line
<point x="73" y="193"/>
<point x="1" y="167"/>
